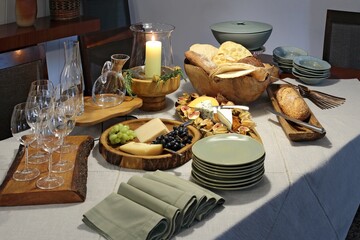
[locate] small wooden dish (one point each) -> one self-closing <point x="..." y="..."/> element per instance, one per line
<point x="14" y="193"/>
<point x="293" y="131"/>
<point x="162" y="162"/>
<point x="94" y="114"/>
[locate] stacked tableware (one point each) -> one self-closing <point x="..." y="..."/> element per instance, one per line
<point x="228" y="162"/>
<point x="283" y="57"/>
<point x="310" y="70"/>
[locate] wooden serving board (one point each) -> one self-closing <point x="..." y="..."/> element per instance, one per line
<point x="162" y="162"/>
<point x="93" y="114"/>
<point x="14" y="193"/>
<point x="293" y="131"/>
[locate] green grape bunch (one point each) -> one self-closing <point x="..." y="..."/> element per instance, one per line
<point x="121" y="134"/>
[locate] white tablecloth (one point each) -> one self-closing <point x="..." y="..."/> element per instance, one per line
<point x="310" y="189"/>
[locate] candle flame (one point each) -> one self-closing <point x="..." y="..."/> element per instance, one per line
<point x="152" y="37"/>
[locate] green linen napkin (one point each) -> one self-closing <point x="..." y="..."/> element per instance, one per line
<point x="155" y="206"/>
<point x="164" y="209"/>
<point x="184" y="201"/>
<point x="207" y="200"/>
<point x="117" y="217"/>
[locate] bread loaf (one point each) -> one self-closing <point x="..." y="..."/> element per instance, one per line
<point x="200" y="61"/>
<point x="291" y="103"/>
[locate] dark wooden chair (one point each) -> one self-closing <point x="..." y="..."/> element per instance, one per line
<point x="17" y="70"/>
<point x="341" y="40"/>
<point x="114" y="37"/>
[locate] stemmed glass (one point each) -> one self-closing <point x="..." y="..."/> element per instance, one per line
<point x="22" y="131"/>
<point x="41" y="84"/>
<point x="65" y="104"/>
<point x="71" y="92"/>
<point x="51" y="139"/>
<point x="37" y="105"/>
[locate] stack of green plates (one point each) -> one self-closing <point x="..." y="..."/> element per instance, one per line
<point x="228" y="162"/>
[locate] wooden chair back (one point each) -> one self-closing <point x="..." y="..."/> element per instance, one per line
<point x="17" y="70"/>
<point x="341" y="40"/>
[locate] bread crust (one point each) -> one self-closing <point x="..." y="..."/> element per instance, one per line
<point x="291" y="103"/>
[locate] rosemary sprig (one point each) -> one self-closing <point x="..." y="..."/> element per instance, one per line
<point x="167" y="76"/>
<point x="128" y="81"/>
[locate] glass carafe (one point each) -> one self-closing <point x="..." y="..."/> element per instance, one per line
<point x="109" y="89"/>
<point x="72" y="74"/>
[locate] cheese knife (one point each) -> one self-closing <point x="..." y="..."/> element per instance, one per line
<point x="301" y="123"/>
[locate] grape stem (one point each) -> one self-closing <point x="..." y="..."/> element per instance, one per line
<point x="173" y="152"/>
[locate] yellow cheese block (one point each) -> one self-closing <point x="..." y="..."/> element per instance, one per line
<point x="143" y="149"/>
<point x="150" y="130"/>
<point x="194" y="103"/>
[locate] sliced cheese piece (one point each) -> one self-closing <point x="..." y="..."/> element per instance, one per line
<point x="225" y="116"/>
<point x="143" y="149"/>
<point x="150" y="130"/>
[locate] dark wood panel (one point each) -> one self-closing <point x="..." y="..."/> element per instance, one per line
<point x="14" y="37"/>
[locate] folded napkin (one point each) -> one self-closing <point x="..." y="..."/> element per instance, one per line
<point x="155" y="206"/>
<point x="168" y="211"/>
<point x="186" y="202"/>
<point x="207" y="200"/>
<point x="117" y="217"/>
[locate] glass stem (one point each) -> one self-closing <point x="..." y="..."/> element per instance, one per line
<point x="61" y="148"/>
<point x="26" y="156"/>
<point x="50" y="164"/>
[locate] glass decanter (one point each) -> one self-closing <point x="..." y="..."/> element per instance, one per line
<point x="72" y="74"/>
<point x="109" y="89"/>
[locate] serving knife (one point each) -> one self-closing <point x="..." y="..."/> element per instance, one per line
<point x="301" y="123"/>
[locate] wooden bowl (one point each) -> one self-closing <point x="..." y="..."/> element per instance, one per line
<point x="162" y="162"/>
<point x="153" y="93"/>
<point x="240" y="90"/>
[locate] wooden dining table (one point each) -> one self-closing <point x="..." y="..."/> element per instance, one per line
<point x="310" y="189"/>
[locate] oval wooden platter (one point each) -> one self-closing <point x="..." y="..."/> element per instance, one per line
<point x="94" y="114"/>
<point x="162" y="162"/>
<point x="293" y="131"/>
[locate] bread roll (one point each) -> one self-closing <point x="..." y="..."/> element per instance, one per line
<point x="291" y="103"/>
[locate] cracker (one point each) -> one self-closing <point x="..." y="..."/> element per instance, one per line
<point x="230" y="52"/>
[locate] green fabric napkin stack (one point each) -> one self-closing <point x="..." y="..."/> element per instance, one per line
<point x="155" y="206"/>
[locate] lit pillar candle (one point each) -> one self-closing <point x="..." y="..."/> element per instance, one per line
<point x="152" y="58"/>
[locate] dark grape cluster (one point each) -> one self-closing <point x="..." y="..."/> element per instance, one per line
<point x="176" y="139"/>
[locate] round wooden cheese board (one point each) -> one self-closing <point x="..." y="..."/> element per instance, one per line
<point x="113" y="155"/>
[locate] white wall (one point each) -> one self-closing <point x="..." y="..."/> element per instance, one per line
<point x="298" y="23"/>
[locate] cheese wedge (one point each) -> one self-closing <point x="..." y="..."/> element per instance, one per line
<point x="150" y="130"/>
<point x="143" y="149"/>
<point x="225" y="116"/>
<point x="200" y="99"/>
<point x="205" y="108"/>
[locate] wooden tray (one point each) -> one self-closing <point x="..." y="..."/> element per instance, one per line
<point x="151" y="163"/>
<point x="94" y="114"/>
<point x="14" y="193"/>
<point x="293" y="131"/>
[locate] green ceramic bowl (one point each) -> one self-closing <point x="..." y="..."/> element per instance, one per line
<point x="250" y="34"/>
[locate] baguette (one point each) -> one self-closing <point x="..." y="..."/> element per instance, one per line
<point x="291" y="103"/>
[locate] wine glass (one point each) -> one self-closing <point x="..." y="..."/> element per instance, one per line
<point x="41" y="84"/>
<point x="37" y="105"/>
<point x="51" y="141"/>
<point x="22" y="131"/>
<point x="69" y="92"/>
<point x="66" y="107"/>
